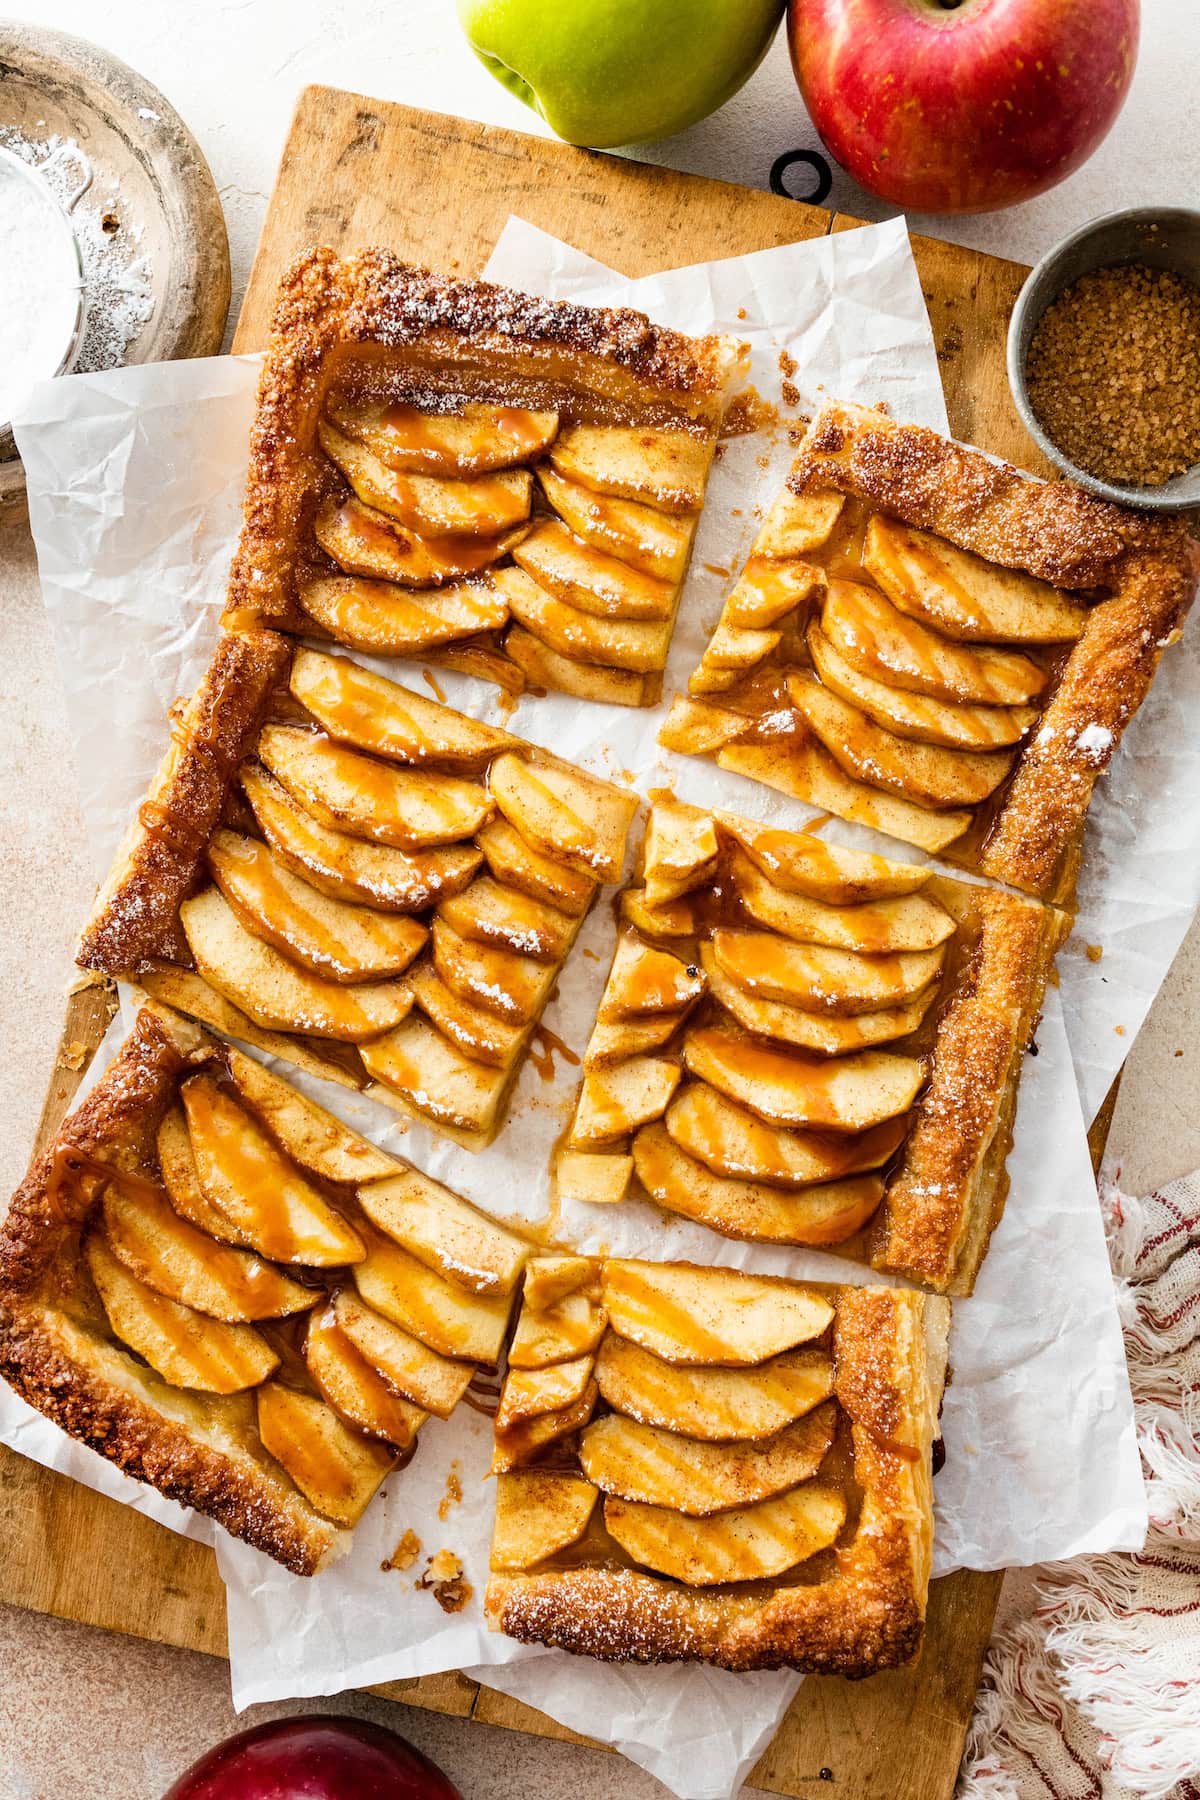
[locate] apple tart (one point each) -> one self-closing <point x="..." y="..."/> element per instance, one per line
<point x="932" y="644"/>
<point x="211" y="1281"/>
<point x="694" y="1464"/>
<point x="505" y="485"/>
<point x="802" y="1044"/>
<point x="358" y="879"/>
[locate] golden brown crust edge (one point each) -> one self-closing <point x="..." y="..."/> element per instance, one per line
<point x="890" y="1351"/>
<point x="1056" y="532"/>
<point x="200" y="1452"/>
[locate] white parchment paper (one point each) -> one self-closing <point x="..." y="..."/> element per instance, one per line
<point x="134" y="485"/>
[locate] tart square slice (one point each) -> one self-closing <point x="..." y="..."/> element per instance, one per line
<point x="806" y="1044"/>
<point x="455" y="471"/>
<point x="359" y="879"/>
<point x="211" y="1281"/>
<point x="738" y="1469"/>
<point x="938" y="646"/>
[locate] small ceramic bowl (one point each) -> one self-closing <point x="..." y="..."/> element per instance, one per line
<point x="1162" y="238"/>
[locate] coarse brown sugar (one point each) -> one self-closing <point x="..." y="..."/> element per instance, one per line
<point x="1113" y="374"/>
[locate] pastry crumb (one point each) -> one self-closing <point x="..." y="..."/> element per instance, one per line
<point x="453" y="1493"/>
<point x="405" y="1554"/>
<point x="443" y="1578"/>
<point x="1095" y="952"/>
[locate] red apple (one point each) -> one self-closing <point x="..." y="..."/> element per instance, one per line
<point x="962" y="105"/>
<point x="314" y="1759"/>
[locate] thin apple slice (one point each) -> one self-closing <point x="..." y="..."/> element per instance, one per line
<point x="826" y="1033"/>
<point x="657" y="1467"/>
<point x="680" y="852"/>
<point x="371" y="713"/>
<point x="767" y="591"/>
<point x="800" y="864"/>
<point x="874" y="636"/>
<point x="530" y="1392"/>
<point x="267" y="1199"/>
<point x="311" y="1136"/>
<point x="700" y="728"/>
<point x="645" y="980"/>
<point x="542" y="667"/>
<point x="637" y="645"/>
<point x="518" y="865"/>
<point x="615" y="1101"/>
<point x="409" y="808"/>
<point x="964" y="596"/>
<point x="344" y="943"/>
<point x="364" y="542"/>
<point x="848" y="1093"/>
<point x="538" y="1512"/>
<point x="177" y="1166"/>
<point x="504" y="982"/>
<point x="187" y="1348"/>
<point x="549" y="1279"/>
<point x="815" y="978"/>
<point x="410" y="1368"/>
<point x="273" y="990"/>
<point x="445" y="1232"/>
<point x="828" y="1213"/>
<point x="474" y="440"/>
<point x="799" y="523"/>
<point x="750" y="1543"/>
<point x="733" y="1142"/>
<point x="643" y="537"/>
<point x="730" y="653"/>
<point x="336" y="1469"/>
<point x="878" y="927"/>
<point x="348" y="868"/>
<point x="477" y="1033"/>
<point x="715" y="1405"/>
<point x="565" y="814"/>
<point x="559" y="1333"/>
<point x="170" y="1255"/>
<point x="432" y="505"/>
<point x="610" y="1044"/>
<point x="927" y="774"/>
<point x="665" y="469"/>
<point x="590" y="579"/>
<point x="435" y="1079"/>
<point x="591" y="1179"/>
<point x="384" y="619"/>
<point x="679" y="918"/>
<point x="354" y="1387"/>
<point x="918" y="716"/>
<point x="488" y="913"/>
<point x="688" y="1314"/>
<point x="525" y="1441"/>
<point x="446" y="1317"/>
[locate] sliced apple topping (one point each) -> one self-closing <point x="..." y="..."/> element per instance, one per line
<point x="542" y="667"/>
<point x="749" y="1543"/>
<point x="187" y="1348"/>
<point x="473" y="440"/>
<point x="590" y="579"/>
<point x="564" y="813"/>
<point x="409" y="808"/>
<point x="638" y="644"/>
<point x="354" y="1387"/>
<point x="177" y="1165"/>
<point x="642" y="537"/>
<point x="371" y="713"/>
<point x="476" y="1032"/>
<point x="504" y="982"/>
<point x="717" y="1405"/>
<point x="445" y="1231"/>
<point x="170" y="1255"/>
<point x="665" y="469"/>
<point x="530" y="1392"/>
<point x="917" y="716"/>
<point x="433" y="505"/>
<point x="538" y="1512"/>
<point x="800" y="864"/>
<point x="730" y="652"/>
<point x="681" y="851"/>
<point x="311" y="1136"/>
<point x="677" y="919"/>
<point x="615" y="1101"/>
<point x="273" y="990"/>
<point x="555" y="1330"/>
<point x="244" y="1175"/>
<point x="849" y="1093"/>
<point x="384" y="619"/>
<point x="700" y="728"/>
<point x="799" y="523"/>
<point x="336" y="1469"/>
<point x="443" y="1314"/>
<point x="828" y="1213"/>
<point x="882" y="642"/>
<point x="525" y="1440"/>
<point x="826" y="1033"/>
<point x="927" y="774"/>
<point x="687" y="1314"/>
<point x="518" y="865"/>
<point x="345" y="943"/>
<point x="644" y="980"/>
<point x="588" y="1179"/>
<point x="963" y="595"/>
<point x="645" y="1463"/>
<point x="488" y="913"/>
<point x="876" y="927"/>
<point x="816" y="978"/>
<point x="767" y="591"/>
<point x="433" y="1382"/>
<point x="610" y="1044"/>
<point x="434" y="1077"/>
<point x="731" y="1141"/>
<point x="549" y="1279"/>
<point x="362" y="541"/>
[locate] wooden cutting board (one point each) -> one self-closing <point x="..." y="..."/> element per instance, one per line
<point x="438" y="190"/>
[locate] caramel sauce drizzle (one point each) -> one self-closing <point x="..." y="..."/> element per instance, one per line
<point x="544" y="1044"/>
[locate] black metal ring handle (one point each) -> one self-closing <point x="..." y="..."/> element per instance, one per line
<point x="812" y="159"/>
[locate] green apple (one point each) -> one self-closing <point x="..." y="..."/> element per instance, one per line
<point x="605" y="72"/>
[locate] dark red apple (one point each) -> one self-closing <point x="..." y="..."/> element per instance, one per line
<point x="314" y="1759"/>
<point x="962" y="105"/>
